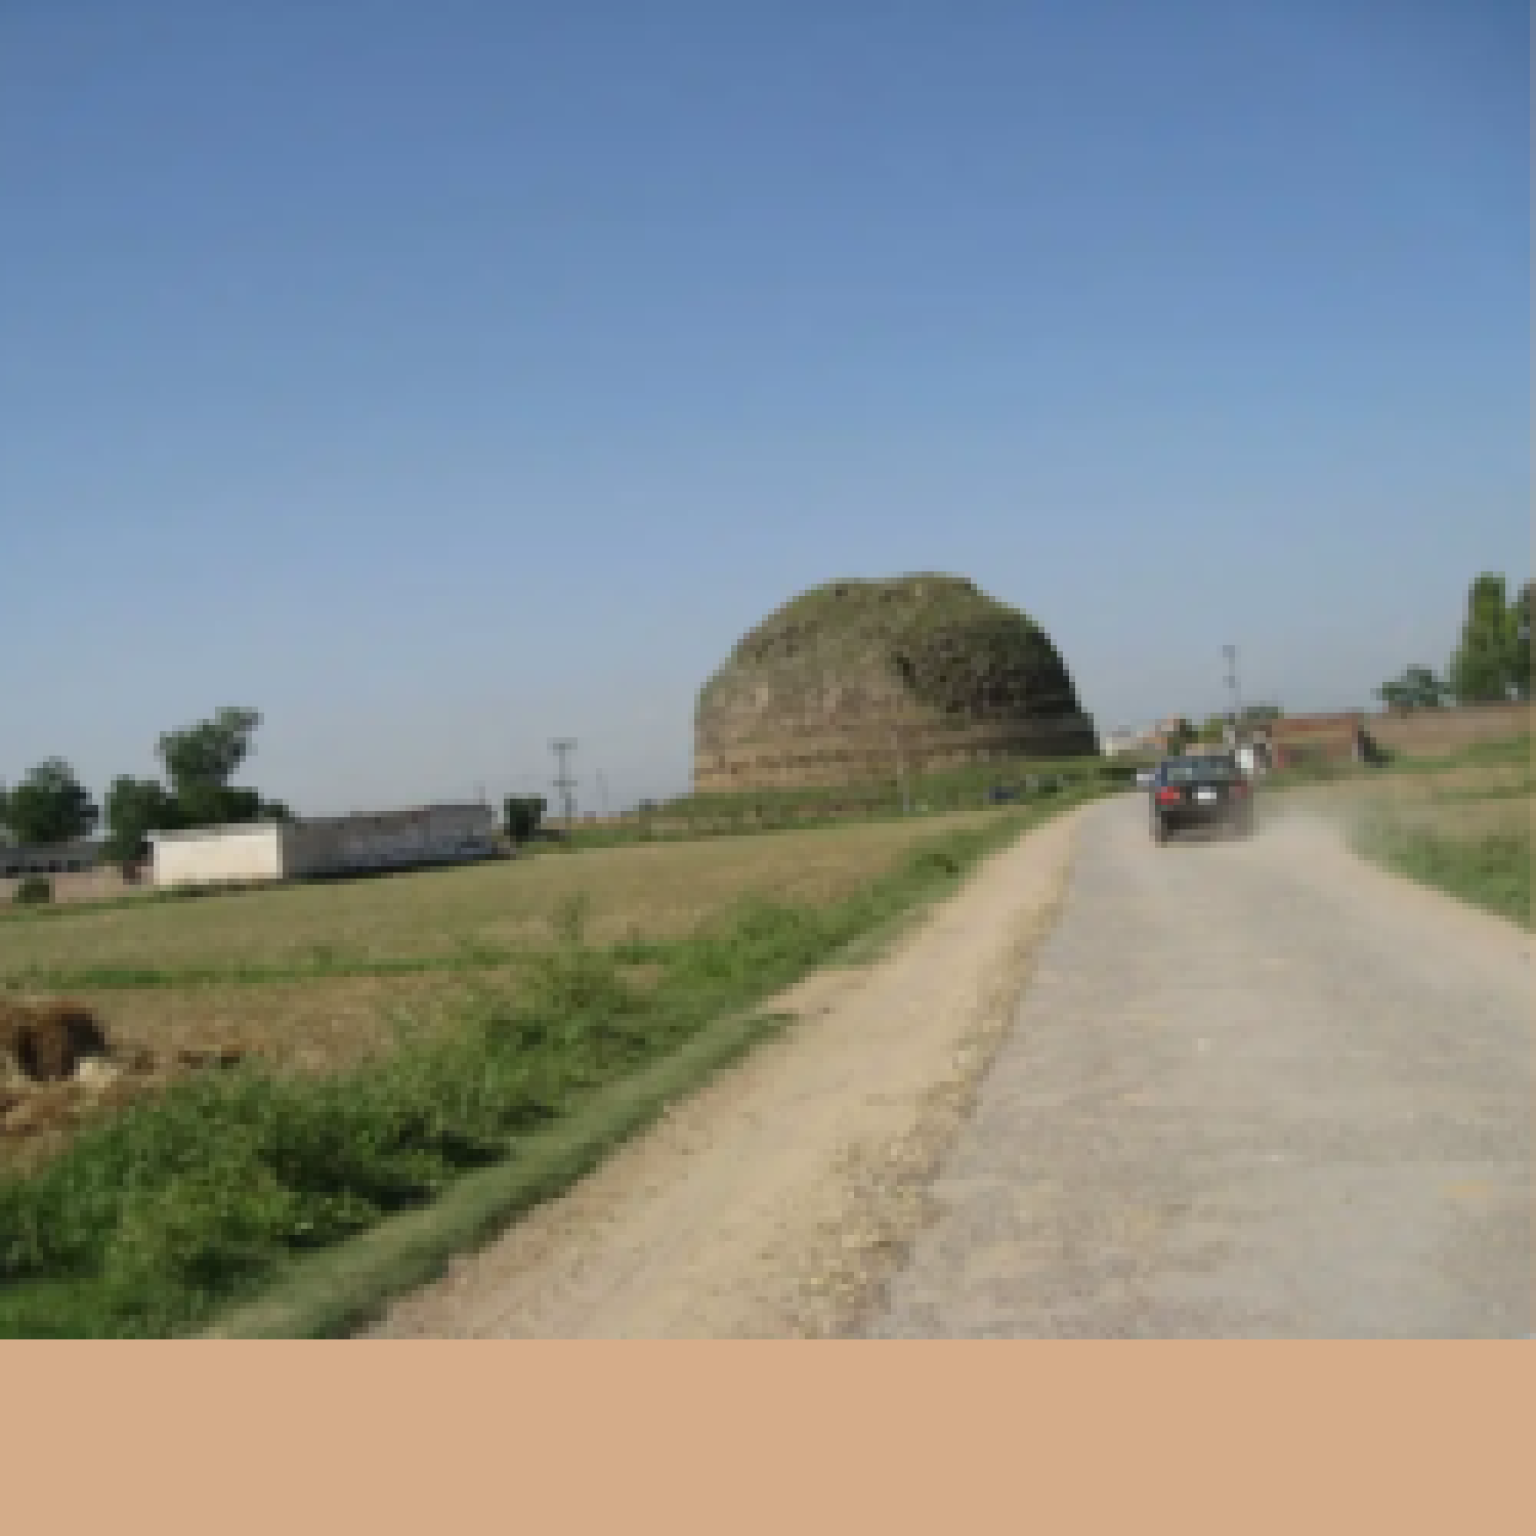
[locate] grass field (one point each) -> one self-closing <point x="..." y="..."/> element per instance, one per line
<point x="310" y="975"/>
<point x="1459" y="821"/>
<point x="532" y="1002"/>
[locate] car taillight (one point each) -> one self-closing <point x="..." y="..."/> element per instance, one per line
<point x="1167" y="797"/>
<point x="1239" y="787"/>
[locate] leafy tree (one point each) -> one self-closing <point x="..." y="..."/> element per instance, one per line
<point x="217" y="805"/>
<point x="209" y="752"/>
<point x="1417" y="688"/>
<point x="200" y="761"/>
<point x="50" y="805"/>
<point x="135" y="808"/>
<point x="1214" y="729"/>
<point x="1486" y="666"/>
<point x="521" y="815"/>
<point x="202" y="804"/>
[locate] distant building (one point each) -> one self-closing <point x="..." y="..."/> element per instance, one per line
<point x="1295" y="739"/>
<point x="19" y="859"/>
<point x="336" y="845"/>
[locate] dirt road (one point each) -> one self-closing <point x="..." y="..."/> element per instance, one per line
<point x="773" y="1203"/>
<point x="1254" y="1090"/>
<point x="1250" y="1089"/>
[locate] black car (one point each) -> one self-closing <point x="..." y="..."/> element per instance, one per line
<point x="1200" y="791"/>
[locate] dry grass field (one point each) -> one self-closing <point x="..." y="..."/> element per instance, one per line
<point x="245" y="1116"/>
<point x="283" y="975"/>
<point x="1458" y="796"/>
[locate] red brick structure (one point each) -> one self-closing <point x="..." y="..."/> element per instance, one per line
<point x="1295" y="739"/>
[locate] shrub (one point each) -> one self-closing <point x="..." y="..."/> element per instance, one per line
<point x="33" y="890"/>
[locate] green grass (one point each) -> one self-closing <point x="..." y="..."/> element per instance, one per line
<point x="1415" y="828"/>
<point x="1492" y="871"/>
<point x="337" y="1290"/>
<point x="158" y="1218"/>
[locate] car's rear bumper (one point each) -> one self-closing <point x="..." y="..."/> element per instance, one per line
<point x="1202" y="816"/>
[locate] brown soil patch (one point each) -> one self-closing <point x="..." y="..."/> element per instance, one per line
<point x="58" y="1064"/>
<point x="45" y="1041"/>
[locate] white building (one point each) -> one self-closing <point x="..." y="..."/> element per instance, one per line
<point x="273" y="850"/>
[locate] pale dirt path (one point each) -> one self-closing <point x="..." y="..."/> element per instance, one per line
<point x="1257" y="1090"/>
<point x="775" y="1202"/>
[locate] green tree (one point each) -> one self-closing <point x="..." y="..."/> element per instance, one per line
<point x="49" y="806"/>
<point x="521" y="815"/>
<point x="1214" y="729"/>
<point x="1417" y="688"/>
<point x="222" y="805"/>
<point x="200" y="762"/>
<point x="135" y="808"/>
<point x="208" y="753"/>
<point x="1485" y="667"/>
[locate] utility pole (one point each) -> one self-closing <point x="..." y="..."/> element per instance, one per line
<point x="563" y="779"/>
<point x="1230" y="652"/>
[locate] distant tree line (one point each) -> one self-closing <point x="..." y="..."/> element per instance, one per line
<point x="1491" y="663"/>
<point x="50" y="805"/>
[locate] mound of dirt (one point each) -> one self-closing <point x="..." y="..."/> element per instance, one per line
<point x="46" y="1042"/>
<point x="842" y="682"/>
<point x="58" y="1064"/>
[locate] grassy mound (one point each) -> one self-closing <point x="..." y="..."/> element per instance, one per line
<point x="844" y="661"/>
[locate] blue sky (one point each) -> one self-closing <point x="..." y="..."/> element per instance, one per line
<point x="439" y="379"/>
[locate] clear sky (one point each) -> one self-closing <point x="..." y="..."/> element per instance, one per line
<point x="442" y="378"/>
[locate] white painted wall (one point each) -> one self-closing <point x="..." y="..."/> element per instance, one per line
<point x="220" y="853"/>
<point x="269" y="851"/>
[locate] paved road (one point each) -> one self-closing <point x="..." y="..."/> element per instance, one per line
<point x="1254" y="1090"/>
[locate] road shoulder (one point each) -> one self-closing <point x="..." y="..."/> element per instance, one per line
<point x="777" y="1201"/>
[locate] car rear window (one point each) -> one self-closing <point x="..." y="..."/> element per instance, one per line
<point x="1188" y="769"/>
